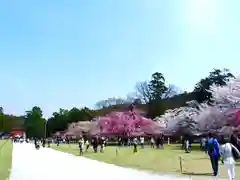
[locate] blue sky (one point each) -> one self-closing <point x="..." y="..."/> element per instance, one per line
<point x="73" y="53"/>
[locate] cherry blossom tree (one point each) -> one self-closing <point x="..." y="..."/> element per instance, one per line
<point x="228" y="95"/>
<point x="161" y="122"/>
<point x="130" y="122"/>
<point x="127" y="123"/>
<point x="224" y="111"/>
<point x="181" y="120"/>
<point x="78" y="128"/>
<point x="226" y="103"/>
<point x="211" y="118"/>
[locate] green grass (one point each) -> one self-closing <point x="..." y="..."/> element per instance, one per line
<point x="5" y="158"/>
<point x="164" y="160"/>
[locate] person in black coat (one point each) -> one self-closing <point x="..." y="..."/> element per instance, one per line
<point x="234" y="141"/>
<point x="95" y="144"/>
<point x="49" y="142"/>
<point x="43" y="142"/>
<point x="35" y="142"/>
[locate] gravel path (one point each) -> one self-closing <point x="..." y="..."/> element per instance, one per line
<point x="49" y="164"/>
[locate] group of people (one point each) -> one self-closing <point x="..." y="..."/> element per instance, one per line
<point x="155" y="142"/>
<point x="95" y="142"/>
<point x="227" y="152"/>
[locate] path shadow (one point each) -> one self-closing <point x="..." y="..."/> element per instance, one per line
<point x="196" y="174"/>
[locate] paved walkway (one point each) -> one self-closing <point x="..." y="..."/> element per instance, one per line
<point x="49" y="164"/>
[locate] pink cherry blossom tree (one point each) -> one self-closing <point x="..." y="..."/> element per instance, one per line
<point x="128" y="123"/>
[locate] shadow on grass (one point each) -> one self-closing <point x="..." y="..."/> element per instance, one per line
<point x="179" y="147"/>
<point x="237" y="164"/>
<point x="196" y="174"/>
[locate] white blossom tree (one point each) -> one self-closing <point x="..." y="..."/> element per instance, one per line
<point x="210" y="118"/>
<point x="222" y="112"/>
<point x="228" y="95"/>
<point x="181" y="120"/>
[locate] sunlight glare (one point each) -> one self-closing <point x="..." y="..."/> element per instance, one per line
<point x="204" y="13"/>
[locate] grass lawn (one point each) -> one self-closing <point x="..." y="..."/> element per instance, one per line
<point x="5" y="158"/>
<point x="164" y="160"/>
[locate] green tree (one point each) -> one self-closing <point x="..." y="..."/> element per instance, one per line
<point x="157" y="86"/>
<point x="156" y="107"/>
<point x="60" y="120"/>
<point x="75" y="115"/>
<point x="35" y="123"/>
<point x="8" y="122"/>
<point x="218" y="77"/>
<point x="155" y="93"/>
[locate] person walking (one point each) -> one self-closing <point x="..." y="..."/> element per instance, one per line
<point x="44" y="142"/>
<point x="228" y="160"/>
<point x="102" y="143"/>
<point x="203" y="142"/>
<point x="152" y="142"/>
<point x="87" y="145"/>
<point x="49" y="142"/>
<point x="187" y="146"/>
<point x="142" y="142"/>
<point x="234" y="141"/>
<point x="129" y="142"/>
<point x="95" y="144"/>
<point x="161" y="140"/>
<point x="213" y="152"/>
<point x="80" y="144"/>
<point x="135" y="142"/>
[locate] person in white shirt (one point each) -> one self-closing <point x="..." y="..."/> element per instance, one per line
<point x="102" y="144"/>
<point x="142" y="142"/>
<point x="187" y="148"/>
<point x="87" y="145"/>
<point x="152" y="142"/>
<point x="228" y="159"/>
<point x="203" y="142"/>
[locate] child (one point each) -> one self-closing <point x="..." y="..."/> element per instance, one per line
<point x="81" y="146"/>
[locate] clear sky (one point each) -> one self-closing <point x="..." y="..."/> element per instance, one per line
<point x="65" y="53"/>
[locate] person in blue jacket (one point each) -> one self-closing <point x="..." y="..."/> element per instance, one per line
<point x="213" y="151"/>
